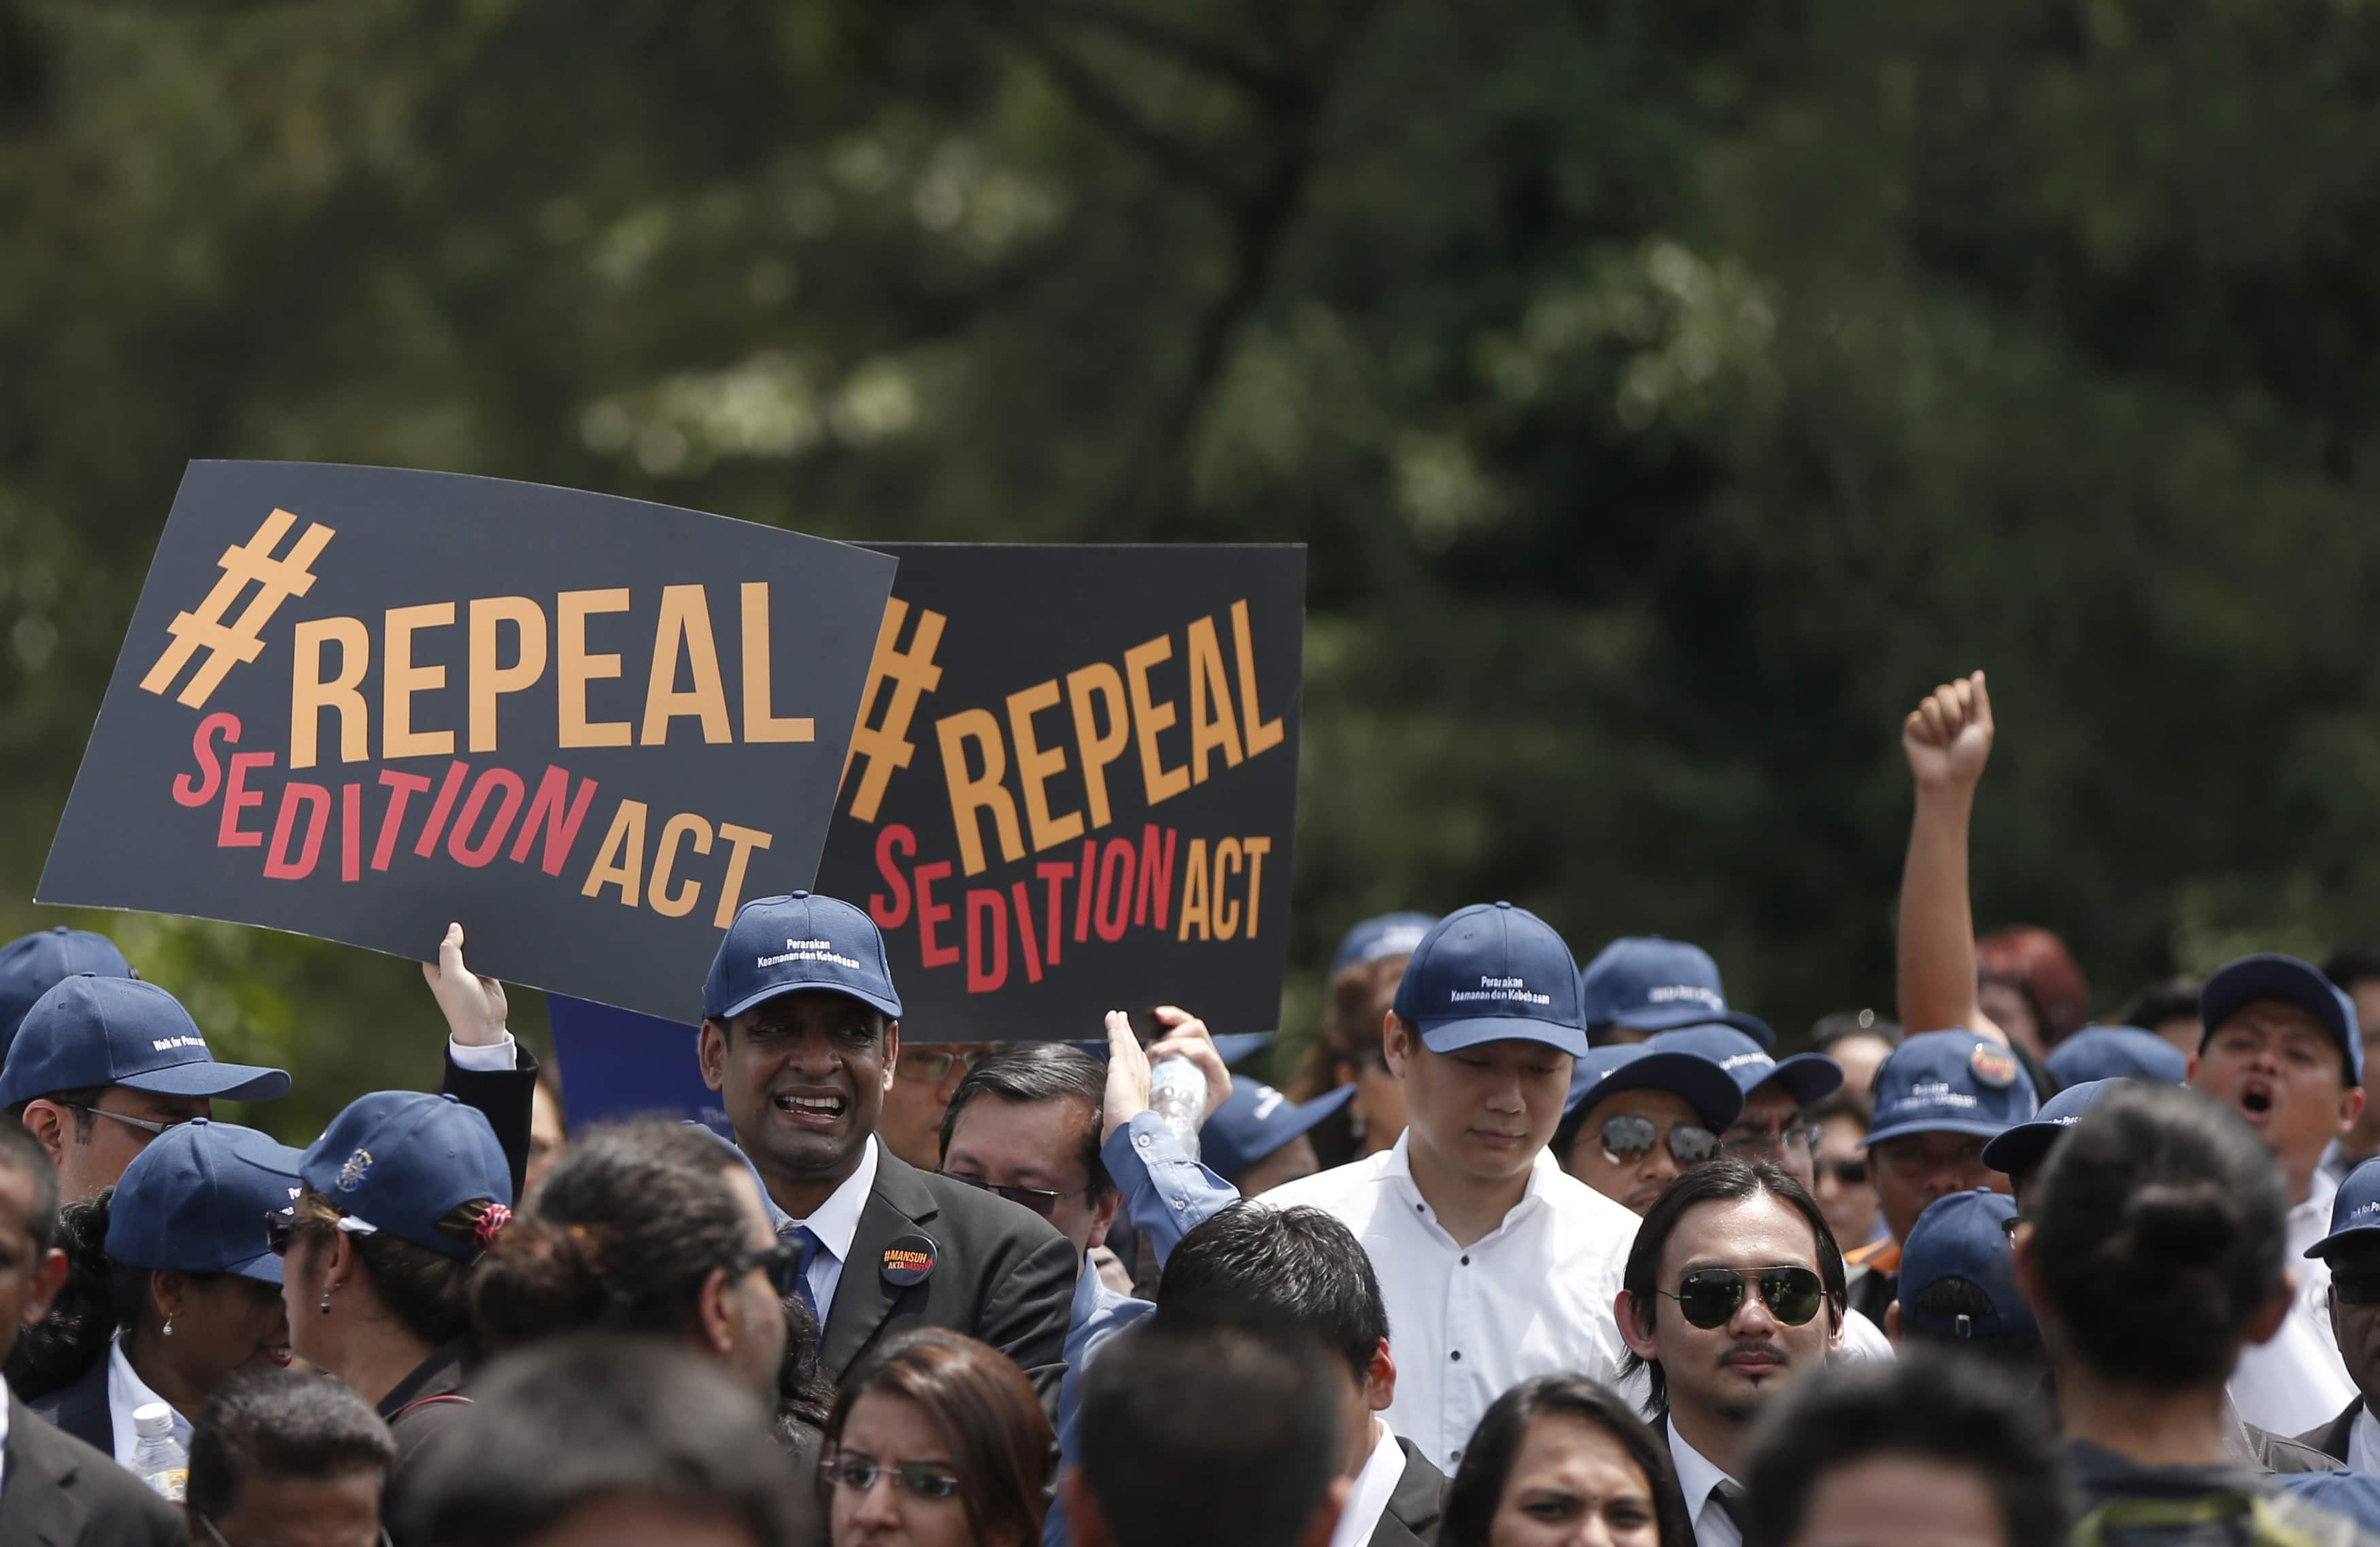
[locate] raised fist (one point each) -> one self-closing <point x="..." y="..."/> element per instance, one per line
<point x="1949" y="735"/>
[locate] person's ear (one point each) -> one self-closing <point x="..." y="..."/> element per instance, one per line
<point x="1103" y="1218"/>
<point x="168" y="1289"/>
<point x="2264" y="1324"/>
<point x="1326" y="1515"/>
<point x="2350" y="1107"/>
<point x="1090" y="1527"/>
<point x="892" y="1052"/>
<point x="2190" y="1071"/>
<point x="49" y="1277"/>
<point x="715" y="1320"/>
<point x="1381" y="1380"/>
<point x="1396" y="1044"/>
<point x="1892" y="1323"/>
<point x="711" y="1048"/>
<point x="2029" y="1280"/>
<point x="1638" y="1338"/>
<point x="48" y="1122"/>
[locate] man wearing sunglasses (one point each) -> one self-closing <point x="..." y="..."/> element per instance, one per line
<point x="2352" y="1250"/>
<point x="102" y="1066"/>
<point x="1733" y="1291"/>
<point x="1638" y="1117"/>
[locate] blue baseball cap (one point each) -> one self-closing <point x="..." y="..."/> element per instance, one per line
<point x="2351" y="1496"/>
<point x="2354" y="1211"/>
<point x="1377" y="939"/>
<point x="2117" y="1052"/>
<point x="34" y="964"/>
<point x="91" y="1030"/>
<point x="1488" y="973"/>
<point x="195" y="1201"/>
<point x="1950" y="1082"/>
<point x="781" y="945"/>
<point x="1647" y="984"/>
<point x="2238" y="984"/>
<point x="2023" y="1146"/>
<point x="1705" y="1087"/>
<point x="1808" y="1077"/>
<point x="401" y="1161"/>
<point x="1964" y="1235"/>
<point x="1255" y="1119"/>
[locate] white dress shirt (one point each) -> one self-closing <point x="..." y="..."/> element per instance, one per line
<point x="3" y="1442"/>
<point x="2363" y="1443"/>
<point x="1531" y="1297"/>
<point x="1369" y="1499"/>
<point x="834" y="1223"/>
<point x="126" y="1393"/>
<point x="1696" y="1479"/>
<point x="2298" y="1382"/>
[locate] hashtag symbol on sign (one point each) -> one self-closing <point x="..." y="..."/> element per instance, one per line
<point x="276" y="580"/>
<point x="913" y="675"/>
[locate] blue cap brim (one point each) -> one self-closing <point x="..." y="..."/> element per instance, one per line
<point x="2352" y="1235"/>
<point x="889" y="1007"/>
<point x="264" y="1268"/>
<point x="234" y="1082"/>
<point x="2022" y="1147"/>
<point x="1453" y="1036"/>
<point x="1235" y="1046"/>
<point x="1937" y="1125"/>
<point x="1693" y="1012"/>
<point x="1808" y="1077"/>
<point x="1709" y="1090"/>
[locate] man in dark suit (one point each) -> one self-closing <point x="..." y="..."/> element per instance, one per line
<point x="54" y="1490"/>
<point x="2353" y="1439"/>
<point x="801" y="1033"/>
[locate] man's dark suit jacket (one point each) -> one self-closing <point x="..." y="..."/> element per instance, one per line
<point x="58" y="1492"/>
<point x="1411" y="1520"/>
<point x="2331" y="1438"/>
<point x="1000" y="1274"/>
<point x="507" y="1098"/>
<point x="80" y="1408"/>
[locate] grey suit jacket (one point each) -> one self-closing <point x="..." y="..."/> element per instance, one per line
<point x="1411" y="1520"/>
<point x="58" y="1492"/>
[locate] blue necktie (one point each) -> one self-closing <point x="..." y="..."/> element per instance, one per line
<point x="800" y="1235"/>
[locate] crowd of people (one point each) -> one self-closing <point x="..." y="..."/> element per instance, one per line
<point x="1530" y="1254"/>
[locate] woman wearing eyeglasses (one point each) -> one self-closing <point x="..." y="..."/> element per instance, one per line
<point x="399" y="1197"/>
<point x="1559" y="1460"/>
<point x="937" y="1441"/>
<point x="170" y="1287"/>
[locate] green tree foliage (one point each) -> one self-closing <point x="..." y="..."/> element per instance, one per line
<point x="1669" y="390"/>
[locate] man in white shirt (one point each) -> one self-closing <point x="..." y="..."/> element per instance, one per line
<point x="1495" y="1266"/>
<point x="2282" y="1048"/>
<point x="1732" y="1296"/>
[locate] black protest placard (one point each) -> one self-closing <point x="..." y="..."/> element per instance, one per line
<point x="358" y="703"/>
<point x="1074" y="784"/>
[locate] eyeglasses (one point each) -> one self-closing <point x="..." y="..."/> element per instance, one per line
<point x="1849" y="1170"/>
<point x="1789" y="1139"/>
<point x="1630" y="1138"/>
<point x="148" y="1126"/>
<point x="1708" y="1297"/>
<point x="1040" y="1200"/>
<point x="2008" y="1228"/>
<point x="216" y="1537"/>
<point x="1913" y="1159"/>
<point x="280" y="1229"/>
<point x="859" y="1474"/>
<point x="929" y="1065"/>
<point x="782" y="1261"/>
<point x="2361" y="1287"/>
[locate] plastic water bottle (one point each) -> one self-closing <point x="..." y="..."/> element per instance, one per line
<point x="159" y="1460"/>
<point x="1177" y="1092"/>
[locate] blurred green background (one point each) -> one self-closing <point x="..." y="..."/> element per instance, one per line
<point x="1671" y="391"/>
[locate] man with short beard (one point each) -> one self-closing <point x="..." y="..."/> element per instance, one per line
<point x="1734" y="1292"/>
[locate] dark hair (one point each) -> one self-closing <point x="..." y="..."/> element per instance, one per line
<point x="19" y="1151"/>
<point x="1857" y="1105"/>
<point x="427" y="1291"/>
<point x="1478" y="1485"/>
<point x="2350" y="965"/>
<point x="1350" y="1025"/>
<point x="1000" y="1441"/>
<point x="79" y="1100"/>
<point x="1724" y="1180"/>
<point x="2158" y="1223"/>
<point x="1198" y="1435"/>
<point x="2169" y="999"/>
<point x="1843" y="1025"/>
<point x="575" y="1420"/>
<point x="1955" y="1413"/>
<point x="1951" y="1296"/>
<point x="277" y="1423"/>
<point x="1297" y="1268"/>
<point x="2038" y="966"/>
<point x="1031" y="1073"/>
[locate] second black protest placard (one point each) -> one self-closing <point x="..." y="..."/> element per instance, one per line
<point x="1074" y="785"/>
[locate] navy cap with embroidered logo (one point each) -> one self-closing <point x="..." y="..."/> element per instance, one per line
<point x="402" y="1161"/>
<point x="2238" y="984"/>
<point x="1964" y="1235"/>
<point x="1492" y="972"/>
<point x="2117" y="1052"/>
<point x="1699" y="1082"/>
<point x="33" y="966"/>
<point x="1647" y="984"/>
<point x="2354" y="1211"/>
<point x="91" y="1031"/>
<point x="195" y="1201"/>
<point x="780" y="946"/>
<point x="1808" y="1077"/>
<point x="1377" y="939"/>
<point x="1254" y="1120"/>
<point x="1950" y="1082"/>
<point x="2023" y="1147"/>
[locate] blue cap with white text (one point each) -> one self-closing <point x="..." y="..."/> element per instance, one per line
<point x="2236" y="985"/>
<point x="91" y="1030"/>
<point x="33" y="966"/>
<point x="780" y="946"/>
<point x="1492" y="972"/>
<point x="402" y="1161"/>
<point x="1964" y="1235"/>
<point x="1702" y="1084"/>
<point x="2117" y="1052"/>
<point x="1647" y="984"/>
<point x="1950" y="1082"/>
<point x="1254" y="1120"/>
<point x="1808" y="1077"/>
<point x="1377" y="939"/>
<point x="2354" y="1211"/>
<point x="2023" y="1146"/>
<point x="194" y="1201"/>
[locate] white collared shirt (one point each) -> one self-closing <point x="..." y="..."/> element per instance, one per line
<point x="2297" y="1382"/>
<point x="126" y="1393"/>
<point x="1531" y="1297"/>
<point x="1696" y="1477"/>
<point x="2363" y="1443"/>
<point x="1369" y="1499"/>
<point x="834" y="1223"/>
<point x="3" y="1442"/>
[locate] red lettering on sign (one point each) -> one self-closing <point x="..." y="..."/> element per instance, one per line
<point x="238" y="797"/>
<point x="982" y="904"/>
<point x="513" y="791"/>
<point x="893" y="914"/>
<point x="402" y="787"/>
<point x="560" y="831"/>
<point x="931" y="913"/>
<point x="190" y="794"/>
<point x="278" y="865"/>
<point x="1055" y="872"/>
<point x="442" y="808"/>
<point x="1025" y="928"/>
<point x="351" y="832"/>
<point x="1115" y="881"/>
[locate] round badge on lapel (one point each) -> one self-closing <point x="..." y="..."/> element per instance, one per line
<point x="907" y="1261"/>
